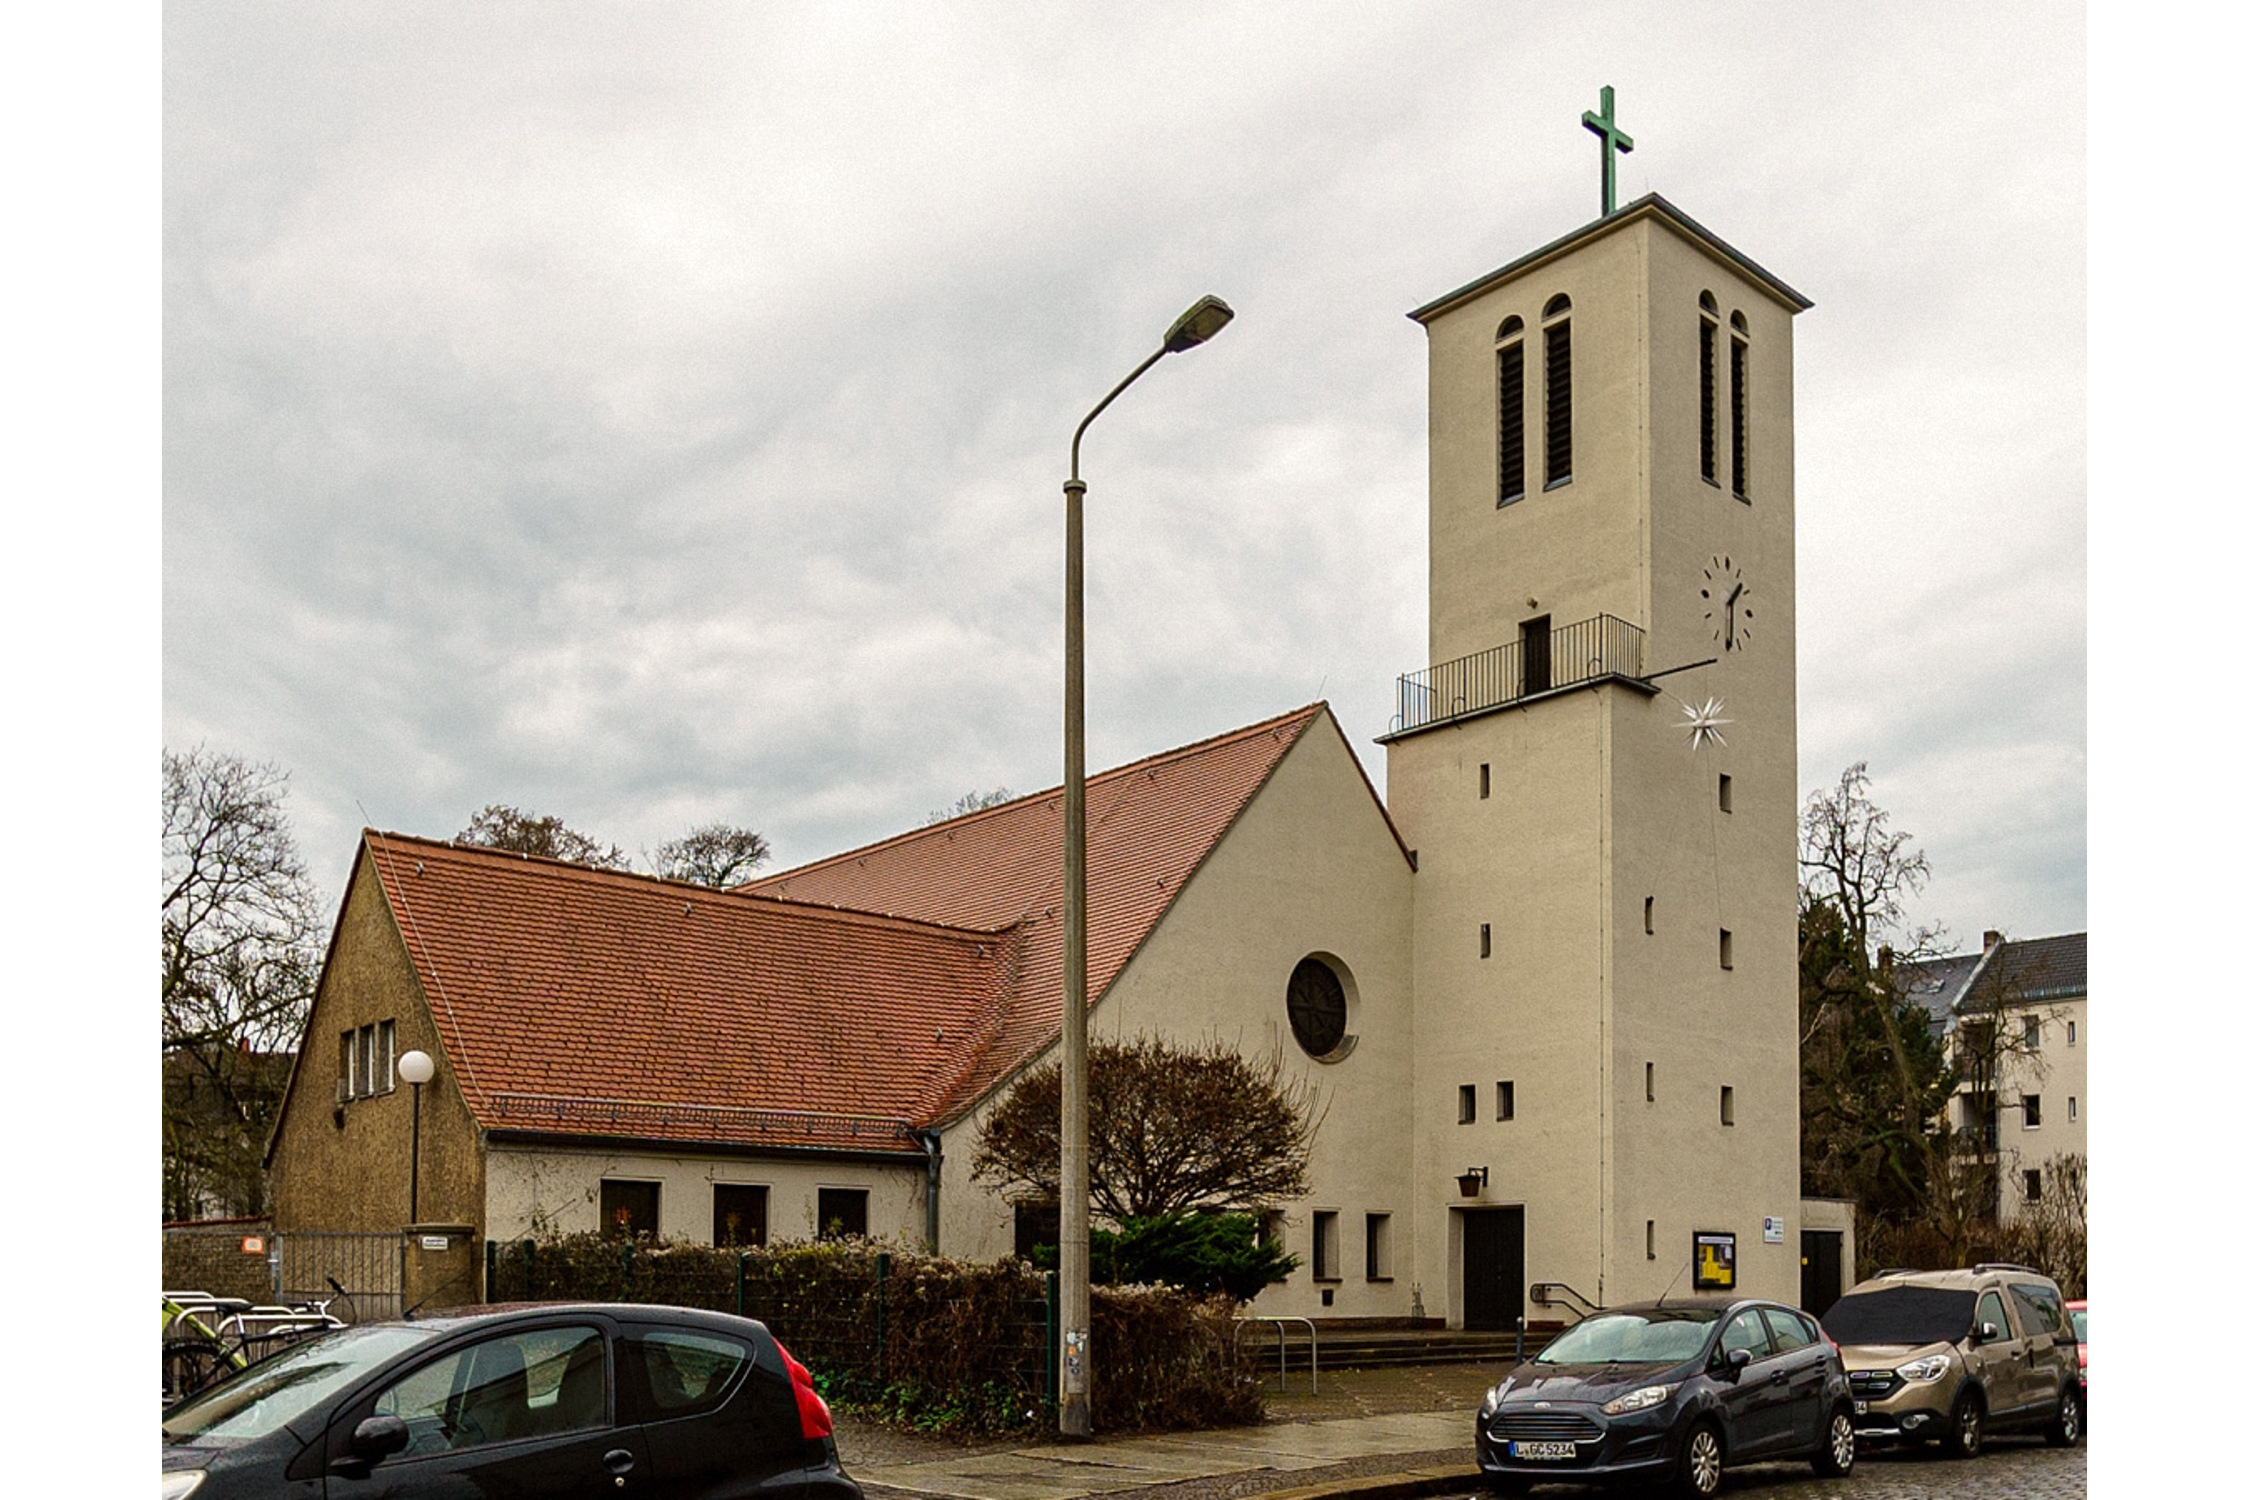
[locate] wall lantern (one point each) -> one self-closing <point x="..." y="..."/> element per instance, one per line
<point x="1472" y="1181"/>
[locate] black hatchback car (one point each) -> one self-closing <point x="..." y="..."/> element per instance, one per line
<point x="556" y="1400"/>
<point x="1676" y="1389"/>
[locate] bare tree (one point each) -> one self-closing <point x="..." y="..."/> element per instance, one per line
<point x="241" y="954"/>
<point x="501" y="826"/>
<point x="969" y="802"/>
<point x="1168" y="1127"/>
<point x="715" y="854"/>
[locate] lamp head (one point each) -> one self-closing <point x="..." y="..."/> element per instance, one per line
<point x="417" y="1067"/>
<point x="1197" y="324"/>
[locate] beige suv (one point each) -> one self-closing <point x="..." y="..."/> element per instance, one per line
<point x="1952" y="1355"/>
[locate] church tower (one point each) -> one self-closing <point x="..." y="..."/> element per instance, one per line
<point x="1605" y="896"/>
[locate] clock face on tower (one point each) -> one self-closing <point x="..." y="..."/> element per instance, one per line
<point x="1726" y="603"/>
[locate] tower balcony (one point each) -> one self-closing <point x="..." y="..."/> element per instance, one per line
<point x="1535" y="665"/>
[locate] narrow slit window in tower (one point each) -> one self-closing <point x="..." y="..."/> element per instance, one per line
<point x="1710" y="368"/>
<point x="1511" y="411"/>
<point x="1558" y="394"/>
<point x="1739" y="402"/>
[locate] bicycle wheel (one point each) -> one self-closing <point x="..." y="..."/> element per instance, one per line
<point x="192" y="1364"/>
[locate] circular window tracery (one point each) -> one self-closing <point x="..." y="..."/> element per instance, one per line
<point x="1319" y="1010"/>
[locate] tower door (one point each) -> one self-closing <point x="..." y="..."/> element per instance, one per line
<point x="1491" y="1267"/>
<point x="1538" y="655"/>
<point x="1823" y="1277"/>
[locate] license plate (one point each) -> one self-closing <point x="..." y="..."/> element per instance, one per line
<point x="1859" y="1408"/>
<point x="1543" y="1450"/>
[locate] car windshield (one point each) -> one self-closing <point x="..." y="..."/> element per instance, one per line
<point x="2078" y="1322"/>
<point x="278" y="1390"/>
<point x="1662" y="1336"/>
<point x="1901" y="1315"/>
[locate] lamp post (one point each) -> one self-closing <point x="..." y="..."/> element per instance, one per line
<point x="416" y="1068"/>
<point x="1197" y="324"/>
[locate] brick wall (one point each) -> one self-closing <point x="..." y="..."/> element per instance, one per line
<point x="210" y="1258"/>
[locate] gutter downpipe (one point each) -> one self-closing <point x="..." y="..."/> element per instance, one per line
<point x="933" y="1147"/>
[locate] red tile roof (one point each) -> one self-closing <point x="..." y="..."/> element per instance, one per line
<point x="836" y="1005"/>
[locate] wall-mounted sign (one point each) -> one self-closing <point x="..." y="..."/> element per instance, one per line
<point x="434" y="1242"/>
<point x="1773" y="1231"/>
<point x="253" y="1244"/>
<point x="1714" y="1261"/>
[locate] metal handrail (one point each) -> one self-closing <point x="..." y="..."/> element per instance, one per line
<point x="1584" y="651"/>
<point x="1281" y="1335"/>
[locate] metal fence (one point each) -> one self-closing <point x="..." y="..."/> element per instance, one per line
<point x="1584" y="651"/>
<point x="309" y="1264"/>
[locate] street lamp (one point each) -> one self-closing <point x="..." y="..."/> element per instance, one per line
<point x="1197" y="324"/>
<point x="416" y="1068"/>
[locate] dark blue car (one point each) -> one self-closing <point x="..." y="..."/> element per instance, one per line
<point x="546" y="1401"/>
<point x="1671" y="1390"/>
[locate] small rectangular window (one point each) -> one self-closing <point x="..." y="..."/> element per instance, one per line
<point x="628" y="1208"/>
<point x="2031" y="1185"/>
<point x="1484" y="940"/>
<point x="2031" y="1033"/>
<point x="1648" y="915"/>
<point x="1324" y="1256"/>
<point x="2074" y="1106"/>
<point x="1648" y="1078"/>
<point x="386" y="1056"/>
<point x="2070" y="1033"/>
<point x="1652" y="1239"/>
<point x="1726" y="1104"/>
<point x="738" y="1214"/>
<point x="1468" y="1114"/>
<point x="1484" y="780"/>
<point x="364" y="1064"/>
<point x="1504" y="1101"/>
<point x="2031" y="1111"/>
<point x="1726" y="949"/>
<point x="346" y="1054"/>
<point x="843" y="1213"/>
<point x="1726" y="793"/>
<point x="1378" y="1247"/>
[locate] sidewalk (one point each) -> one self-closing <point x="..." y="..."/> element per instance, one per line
<point x="1393" y="1434"/>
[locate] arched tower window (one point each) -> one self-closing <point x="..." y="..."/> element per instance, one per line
<point x="1556" y="330"/>
<point x="1509" y="347"/>
<point x="1739" y="402"/>
<point x="1710" y="363"/>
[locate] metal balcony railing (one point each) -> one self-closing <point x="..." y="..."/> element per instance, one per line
<point x="1544" y="662"/>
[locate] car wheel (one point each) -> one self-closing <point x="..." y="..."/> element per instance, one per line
<point x="1702" y="1460"/>
<point x="1839" y="1446"/>
<point x="1966" y="1440"/>
<point x="2070" y="1420"/>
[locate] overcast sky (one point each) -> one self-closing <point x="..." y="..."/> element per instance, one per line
<point x="653" y="414"/>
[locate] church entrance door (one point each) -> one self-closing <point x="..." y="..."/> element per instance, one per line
<point x="1491" y="1268"/>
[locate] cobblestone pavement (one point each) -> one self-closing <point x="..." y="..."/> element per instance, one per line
<point x="2011" y="1469"/>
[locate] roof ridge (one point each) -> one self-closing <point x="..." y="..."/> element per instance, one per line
<point x="1209" y="742"/>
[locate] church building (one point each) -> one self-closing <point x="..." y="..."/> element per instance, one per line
<point x="1543" y="986"/>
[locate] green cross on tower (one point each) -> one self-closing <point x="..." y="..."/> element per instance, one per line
<point x="1613" y="141"/>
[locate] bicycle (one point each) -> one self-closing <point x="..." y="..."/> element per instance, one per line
<point x="196" y="1355"/>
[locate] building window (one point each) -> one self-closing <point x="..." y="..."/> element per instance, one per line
<point x="1648" y="1079"/>
<point x="1648" y="915"/>
<point x="1651" y="1239"/>
<point x="2074" y="1106"/>
<point x="628" y="1208"/>
<point x="1710" y="365"/>
<point x="2032" y="1186"/>
<point x="2031" y="1033"/>
<point x="1726" y="793"/>
<point x="738" y="1215"/>
<point x="1378" y="1247"/>
<point x="1484" y="940"/>
<point x="1319" y="1010"/>
<point x="843" y="1213"/>
<point x="1726" y="1104"/>
<point x="1558" y="393"/>
<point x="1726" y="949"/>
<point x="1739" y="404"/>
<point x="2031" y="1111"/>
<point x="1039" y="1224"/>
<point x="366" y="1061"/>
<point x="1468" y="1106"/>
<point x="1324" y="1255"/>
<point x="1484" y="780"/>
<point x="1511" y="411"/>
<point x="2070" y="1033"/>
<point x="1504" y="1100"/>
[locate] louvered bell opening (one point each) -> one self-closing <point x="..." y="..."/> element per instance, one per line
<point x="1558" y="404"/>
<point x="1711" y="401"/>
<point x="1741" y="406"/>
<point x="1511" y="423"/>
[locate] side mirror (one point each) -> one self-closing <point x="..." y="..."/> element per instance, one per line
<point x="1986" y="1333"/>
<point x="378" y="1438"/>
<point x="1735" y="1362"/>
